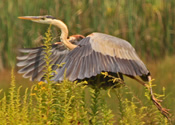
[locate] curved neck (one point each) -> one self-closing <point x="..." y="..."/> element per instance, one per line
<point x="64" y="33"/>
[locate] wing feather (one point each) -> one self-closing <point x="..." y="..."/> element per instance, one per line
<point x="96" y="63"/>
<point x="33" y="62"/>
<point x="82" y="69"/>
<point x="86" y="70"/>
<point x="75" y="72"/>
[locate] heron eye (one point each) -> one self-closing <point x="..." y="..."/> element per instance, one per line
<point x="51" y="17"/>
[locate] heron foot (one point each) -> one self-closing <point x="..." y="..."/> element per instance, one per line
<point x="164" y="111"/>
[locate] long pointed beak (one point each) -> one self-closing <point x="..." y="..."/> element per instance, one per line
<point x="30" y="17"/>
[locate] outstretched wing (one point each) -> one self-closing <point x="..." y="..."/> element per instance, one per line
<point x="33" y="62"/>
<point x="100" y="52"/>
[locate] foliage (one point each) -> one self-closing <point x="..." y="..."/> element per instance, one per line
<point x="133" y="112"/>
<point x="147" y="24"/>
<point x="65" y="103"/>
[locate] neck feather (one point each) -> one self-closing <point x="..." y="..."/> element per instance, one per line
<point x="64" y="34"/>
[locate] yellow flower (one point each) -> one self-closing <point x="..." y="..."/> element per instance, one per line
<point x="43" y="88"/>
<point x="32" y="94"/>
<point x="35" y="88"/>
<point x="40" y="83"/>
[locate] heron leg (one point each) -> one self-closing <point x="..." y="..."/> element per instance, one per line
<point x="156" y="102"/>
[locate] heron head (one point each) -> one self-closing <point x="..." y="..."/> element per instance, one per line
<point x="39" y="19"/>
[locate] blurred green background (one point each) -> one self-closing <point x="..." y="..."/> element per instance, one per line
<point x="149" y="25"/>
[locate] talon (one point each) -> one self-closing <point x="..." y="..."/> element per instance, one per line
<point x="164" y="111"/>
<point x="156" y="100"/>
<point x="159" y="100"/>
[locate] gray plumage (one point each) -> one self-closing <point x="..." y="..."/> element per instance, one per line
<point x="100" y="52"/>
<point x="96" y="53"/>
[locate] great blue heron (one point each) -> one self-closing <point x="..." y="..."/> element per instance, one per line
<point x="89" y="57"/>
